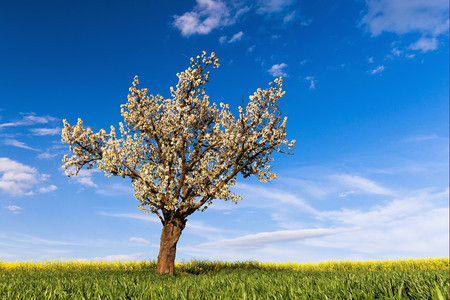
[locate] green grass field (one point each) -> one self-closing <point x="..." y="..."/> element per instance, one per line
<point x="401" y="279"/>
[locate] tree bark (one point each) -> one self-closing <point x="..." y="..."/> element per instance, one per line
<point x="170" y="234"/>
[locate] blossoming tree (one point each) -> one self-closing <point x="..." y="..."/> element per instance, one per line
<point x="183" y="152"/>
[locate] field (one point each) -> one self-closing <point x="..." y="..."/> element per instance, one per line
<point x="389" y="279"/>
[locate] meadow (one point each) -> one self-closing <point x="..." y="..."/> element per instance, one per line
<point x="384" y="279"/>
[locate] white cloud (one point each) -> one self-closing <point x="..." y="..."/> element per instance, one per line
<point x="123" y="257"/>
<point x="198" y="226"/>
<point x="416" y="225"/>
<point x="309" y="188"/>
<point x="345" y="194"/>
<point x="312" y="82"/>
<point x="277" y="196"/>
<point x="46" y="155"/>
<point x="425" y="44"/>
<point x="262" y="239"/>
<point x="46" y="131"/>
<point x="140" y="240"/>
<point x="277" y="70"/>
<point x="306" y="22"/>
<point x="142" y="217"/>
<point x="84" y="177"/>
<point x="390" y="222"/>
<point x="377" y="70"/>
<point x="116" y="189"/>
<point x="14" y="209"/>
<point x="290" y="17"/>
<point x="236" y="37"/>
<point x="272" y="6"/>
<point x="280" y="9"/>
<point x="363" y="185"/>
<point x="33" y="240"/>
<point x="426" y="17"/>
<point x="18" y="144"/>
<point x="18" y="246"/>
<point x="396" y="52"/>
<point x="223" y="39"/>
<point x="206" y="16"/>
<point x="54" y="150"/>
<point x="424" y="138"/>
<point x="48" y="189"/>
<point x="29" y="119"/>
<point x="17" y="179"/>
<point x="404" y="223"/>
<point x="250" y="49"/>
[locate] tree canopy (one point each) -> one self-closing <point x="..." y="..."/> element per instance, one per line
<point x="183" y="152"/>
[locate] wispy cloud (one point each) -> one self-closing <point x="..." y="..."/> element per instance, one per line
<point x="223" y="39"/>
<point x="277" y="70"/>
<point x="396" y="52"/>
<point x="198" y="226"/>
<point x="142" y="217"/>
<point x="281" y="10"/>
<point x="206" y="16"/>
<point x="345" y="194"/>
<point x="262" y="239"/>
<point x="362" y="184"/>
<point x="116" y="189"/>
<point x="427" y="17"/>
<point x="290" y="17"/>
<point x="46" y="131"/>
<point x="122" y="257"/>
<point x="384" y="227"/>
<point x="84" y="177"/>
<point x="425" y="44"/>
<point x="424" y="138"/>
<point x="377" y="70"/>
<point x="29" y="119"/>
<point x="140" y="240"/>
<point x="48" y="189"/>
<point x="14" y="209"/>
<point x="404" y="16"/>
<point x="18" y="144"/>
<point x="237" y="37"/>
<point x="306" y="22"/>
<point x="272" y="6"/>
<point x="33" y="240"/>
<point x="277" y="196"/>
<point x="312" y="82"/>
<point x="417" y="224"/>
<point x="55" y="150"/>
<point x="46" y="155"/>
<point x="392" y="211"/>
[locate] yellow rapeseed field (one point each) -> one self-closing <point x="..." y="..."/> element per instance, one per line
<point x="441" y="263"/>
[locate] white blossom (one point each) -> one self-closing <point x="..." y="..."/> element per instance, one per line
<point x="183" y="152"/>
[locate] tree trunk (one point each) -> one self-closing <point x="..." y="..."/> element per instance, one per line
<point x="168" y="246"/>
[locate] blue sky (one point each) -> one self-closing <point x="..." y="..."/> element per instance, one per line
<point x="367" y="90"/>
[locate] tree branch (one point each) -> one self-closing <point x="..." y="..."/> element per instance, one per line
<point x="159" y="216"/>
